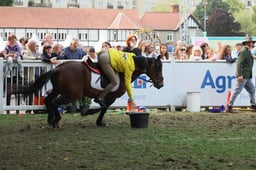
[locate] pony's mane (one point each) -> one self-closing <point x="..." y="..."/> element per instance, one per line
<point x="149" y="60"/>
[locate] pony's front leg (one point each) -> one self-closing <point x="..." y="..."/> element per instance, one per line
<point x="110" y="100"/>
<point x="99" y="121"/>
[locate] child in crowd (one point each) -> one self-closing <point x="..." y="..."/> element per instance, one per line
<point x="211" y="55"/>
<point x="91" y="55"/>
<point x="12" y="53"/>
<point x="196" y="54"/>
<point x="164" y="52"/>
<point x="143" y="47"/>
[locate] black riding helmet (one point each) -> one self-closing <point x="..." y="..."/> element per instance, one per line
<point x="140" y="62"/>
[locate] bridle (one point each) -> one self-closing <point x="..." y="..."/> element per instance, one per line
<point x="156" y="71"/>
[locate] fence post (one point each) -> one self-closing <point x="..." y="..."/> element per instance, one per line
<point x="1" y="86"/>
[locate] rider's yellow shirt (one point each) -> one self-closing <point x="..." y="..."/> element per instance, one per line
<point x="123" y="62"/>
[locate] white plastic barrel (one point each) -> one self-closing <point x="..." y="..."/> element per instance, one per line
<point x="193" y="101"/>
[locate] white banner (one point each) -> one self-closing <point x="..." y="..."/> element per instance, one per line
<point x="212" y="79"/>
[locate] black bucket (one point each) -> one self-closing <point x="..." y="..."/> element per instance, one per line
<point x="139" y="119"/>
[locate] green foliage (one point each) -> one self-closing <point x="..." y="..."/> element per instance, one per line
<point x="234" y="5"/>
<point x="164" y="5"/>
<point x="254" y="14"/>
<point x="211" y="5"/>
<point x="85" y="101"/>
<point x="247" y="19"/>
<point x="6" y="2"/>
<point x="222" y="23"/>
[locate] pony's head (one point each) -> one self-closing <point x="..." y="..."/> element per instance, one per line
<point x="152" y="67"/>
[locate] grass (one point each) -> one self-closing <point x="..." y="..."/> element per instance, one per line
<point x="172" y="141"/>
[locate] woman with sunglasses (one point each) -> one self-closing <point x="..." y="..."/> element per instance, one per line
<point x="47" y="55"/>
<point x="180" y="53"/>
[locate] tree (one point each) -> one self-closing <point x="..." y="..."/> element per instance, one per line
<point x="253" y="25"/>
<point x="211" y="5"/>
<point x="234" y="5"/>
<point x="245" y="20"/>
<point x="6" y="2"/>
<point x="164" y="5"/>
<point x="222" y="23"/>
<point x="254" y="14"/>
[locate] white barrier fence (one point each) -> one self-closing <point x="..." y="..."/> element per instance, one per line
<point x="32" y="68"/>
<point x="212" y="79"/>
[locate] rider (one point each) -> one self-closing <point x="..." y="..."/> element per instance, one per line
<point x="112" y="61"/>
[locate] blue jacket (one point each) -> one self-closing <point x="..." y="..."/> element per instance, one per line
<point x="67" y="53"/>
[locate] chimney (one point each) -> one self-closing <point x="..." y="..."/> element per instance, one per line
<point x="174" y="9"/>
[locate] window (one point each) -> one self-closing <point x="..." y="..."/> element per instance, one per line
<point x="61" y="36"/>
<point x="29" y="34"/>
<point x="126" y="3"/>
<point x="40" y="35"/>
<point x="249" y="3"/>
<point x="169" y="37"/>
<point x="54" y="36"/>
<point x="100" y="4"/>
<point x="115" y="35"/>
<point x="5" y="35"/>
<point x="83" y="36"/>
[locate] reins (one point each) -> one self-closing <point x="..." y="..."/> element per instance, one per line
<point x="149" y="80"/>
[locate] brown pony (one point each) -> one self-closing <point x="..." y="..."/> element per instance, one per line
<point x="71" y="80"/>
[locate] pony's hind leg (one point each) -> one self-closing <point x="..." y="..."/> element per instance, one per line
<point x="60" y="100"/>
<point x="50" y="107"/>
<point x="109" y="101"/>
<point x="99" y="121"/>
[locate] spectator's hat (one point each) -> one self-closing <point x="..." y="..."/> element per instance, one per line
<point x="248" y="40"/>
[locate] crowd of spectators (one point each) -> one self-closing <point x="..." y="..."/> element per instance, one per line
<point x="50" y="52"/>
<point x="54" y="53"/>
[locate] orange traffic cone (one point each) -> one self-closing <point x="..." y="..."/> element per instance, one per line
<point x="130" y="106"/>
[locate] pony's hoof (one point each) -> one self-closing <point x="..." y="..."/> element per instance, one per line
<point x="57" y="124"/>
<point x="50" y="122"/>
<point x="84" y="113"/>
<point x="101" y="124"/>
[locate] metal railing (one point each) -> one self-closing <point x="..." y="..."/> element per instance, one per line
<point x="10" y="102"/>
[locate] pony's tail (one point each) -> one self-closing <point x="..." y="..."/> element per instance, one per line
<point x="35" y="86"/>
